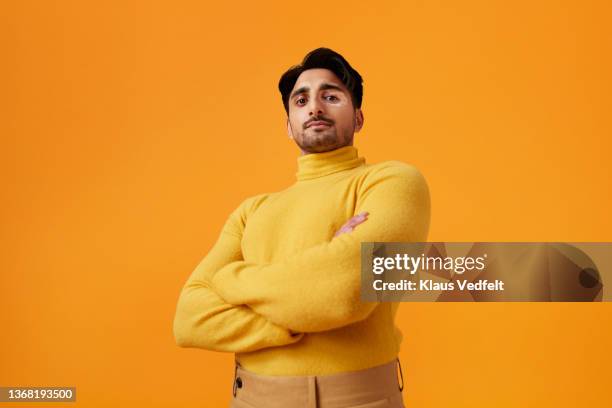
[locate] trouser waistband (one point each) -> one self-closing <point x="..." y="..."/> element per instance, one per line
<point x="375" y="383"/>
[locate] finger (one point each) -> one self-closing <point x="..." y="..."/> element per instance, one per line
<point x="353" y="222"/>
<point x="359" y="218"/>
<point x="346" y="229"/>
<point x="343" y="230"/>
<point x="350" y="222"/>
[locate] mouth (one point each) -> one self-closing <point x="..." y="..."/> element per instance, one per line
<point x="318" y="124"/>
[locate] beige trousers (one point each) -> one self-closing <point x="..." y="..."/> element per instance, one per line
<point x="376" y="387"/>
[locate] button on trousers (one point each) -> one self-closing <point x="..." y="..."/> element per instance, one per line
<point x="376" y="387"/>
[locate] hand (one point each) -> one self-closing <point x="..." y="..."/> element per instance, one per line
<point x="352" y="223"/>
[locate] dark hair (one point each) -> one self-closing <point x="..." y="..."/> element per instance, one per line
<point x="328" y="59"/>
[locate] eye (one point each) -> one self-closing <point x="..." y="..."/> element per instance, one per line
<point x="332" y="98"/>
<point x="300" y="101"/>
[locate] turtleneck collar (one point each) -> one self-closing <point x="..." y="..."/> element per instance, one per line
<point x="315" y="165"/>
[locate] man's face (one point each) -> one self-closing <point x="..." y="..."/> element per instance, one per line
<point x="321" y="113"/>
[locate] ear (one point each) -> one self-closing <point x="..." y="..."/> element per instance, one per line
<point x="358" y="120"/>
<point x="289" y="131"/>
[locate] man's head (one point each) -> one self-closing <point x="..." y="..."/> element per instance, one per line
<point x="322" y="97"/>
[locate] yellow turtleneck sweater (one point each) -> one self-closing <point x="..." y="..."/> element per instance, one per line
<point x="282" y="292"/>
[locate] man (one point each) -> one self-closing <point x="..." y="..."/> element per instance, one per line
<point x="281" y="286"/>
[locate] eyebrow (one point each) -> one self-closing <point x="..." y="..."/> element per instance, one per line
<point x="323" y="87"/>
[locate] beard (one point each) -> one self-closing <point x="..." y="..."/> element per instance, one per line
<point x="325" y="140"/>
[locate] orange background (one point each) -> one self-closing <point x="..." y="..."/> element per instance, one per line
<point x="130" y="130"/>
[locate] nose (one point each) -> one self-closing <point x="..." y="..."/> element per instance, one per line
<point x="315" y="108"/>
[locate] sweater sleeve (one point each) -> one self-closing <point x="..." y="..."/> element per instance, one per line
<point x="319" y="288"/>
<point x="204" y="320"/>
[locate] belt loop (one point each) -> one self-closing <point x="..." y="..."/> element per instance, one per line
<point x="234" y="384"/>
<point x="401" y="387"/>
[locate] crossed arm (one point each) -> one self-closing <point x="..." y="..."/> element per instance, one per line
<point x="232" y="305"/>
<point x="204" y="320"/>
<point x="319" y="288"/>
